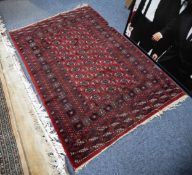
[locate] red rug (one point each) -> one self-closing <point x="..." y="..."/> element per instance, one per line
<point x="95" y="84"/>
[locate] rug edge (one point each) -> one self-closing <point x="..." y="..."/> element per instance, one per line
<point x="169" y="107"/>
<point x="44" y="19"/>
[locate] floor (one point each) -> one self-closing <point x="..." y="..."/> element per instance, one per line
<point x="162" y="146"/>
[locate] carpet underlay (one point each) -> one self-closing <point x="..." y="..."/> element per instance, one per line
<point x="94" y="83"/>
<point x="9" y="156"/>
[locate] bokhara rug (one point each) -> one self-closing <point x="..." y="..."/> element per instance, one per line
<point x="94" y="83"/>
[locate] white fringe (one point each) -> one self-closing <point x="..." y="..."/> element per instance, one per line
<point x="41" y="118"/>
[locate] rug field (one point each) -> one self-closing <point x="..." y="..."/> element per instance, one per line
<point x="94" y="83"/>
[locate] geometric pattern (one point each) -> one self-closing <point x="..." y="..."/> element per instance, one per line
<point x="9" y="156"/>
<point x="94" y="83"/>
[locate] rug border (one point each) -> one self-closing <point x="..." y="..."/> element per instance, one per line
<point x="167" y="107"/>
<point x="114" y="140"/>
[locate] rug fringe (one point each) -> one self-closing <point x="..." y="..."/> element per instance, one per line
<point x="40" y="117"/>
<point x="172" y="106"/>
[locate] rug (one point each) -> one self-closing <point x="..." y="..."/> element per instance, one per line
<point x="94" y="83"/>
<point x="9" y="155"/>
